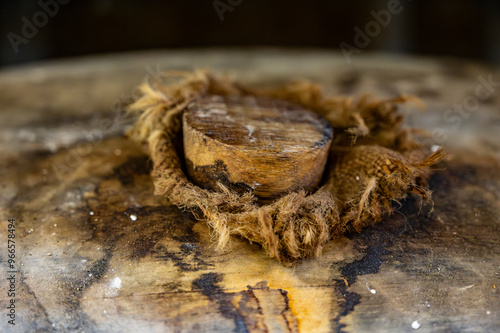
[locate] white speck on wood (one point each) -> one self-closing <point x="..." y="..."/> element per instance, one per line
<point x="250" y="129"/>
<point x="116" y="283"/>
<point x="466" y="287"/>
<point x="255" y="184"/>
<point x="373" y="291"/>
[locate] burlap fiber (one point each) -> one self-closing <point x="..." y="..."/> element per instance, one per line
<point x="374" y="162"/>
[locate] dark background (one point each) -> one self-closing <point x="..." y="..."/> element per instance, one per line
<point x="458" y="28"/>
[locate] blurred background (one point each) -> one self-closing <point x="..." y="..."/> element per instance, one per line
<point x="47" y="29"/>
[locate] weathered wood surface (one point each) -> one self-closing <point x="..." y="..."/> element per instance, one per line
<point x="99" y="253"/>
<point x="265" y="146"/>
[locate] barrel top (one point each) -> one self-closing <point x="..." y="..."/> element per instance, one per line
<point x="99" y="252"/>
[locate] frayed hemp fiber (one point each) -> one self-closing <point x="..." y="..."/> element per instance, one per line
<point x="374" y="161"/>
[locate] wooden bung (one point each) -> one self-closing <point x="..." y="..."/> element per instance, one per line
<point x="267" y="146"/>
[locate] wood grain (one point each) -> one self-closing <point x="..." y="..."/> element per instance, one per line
<point x="82" y="198"/>
<point x="264" y="146"/>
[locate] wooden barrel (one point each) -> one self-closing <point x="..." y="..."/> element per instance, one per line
<point x="96" y="251"/>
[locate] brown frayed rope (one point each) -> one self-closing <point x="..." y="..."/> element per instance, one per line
<point x="374" y="161"/>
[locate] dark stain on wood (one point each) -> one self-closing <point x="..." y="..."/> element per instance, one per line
<point x="126" y="172"/>
<point x="40" y="319"/>
<point x="349" y="301"/>
<point x="188" y="259"/>
<point x="250" y="309"/>
<point x="207" y="284"/>
<point x="207" y="177"/>
<point x="327" y="136"/>
<point x="254" y="307"/>
<point x="110" y="222"/>
<point x="286" y="312"/>
<point x="369" y="264"/>
<point x="176" y="227"/>
<point x="78" y="319"/>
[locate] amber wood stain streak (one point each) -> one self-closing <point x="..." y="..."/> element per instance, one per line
<point x="107" y="272"/>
